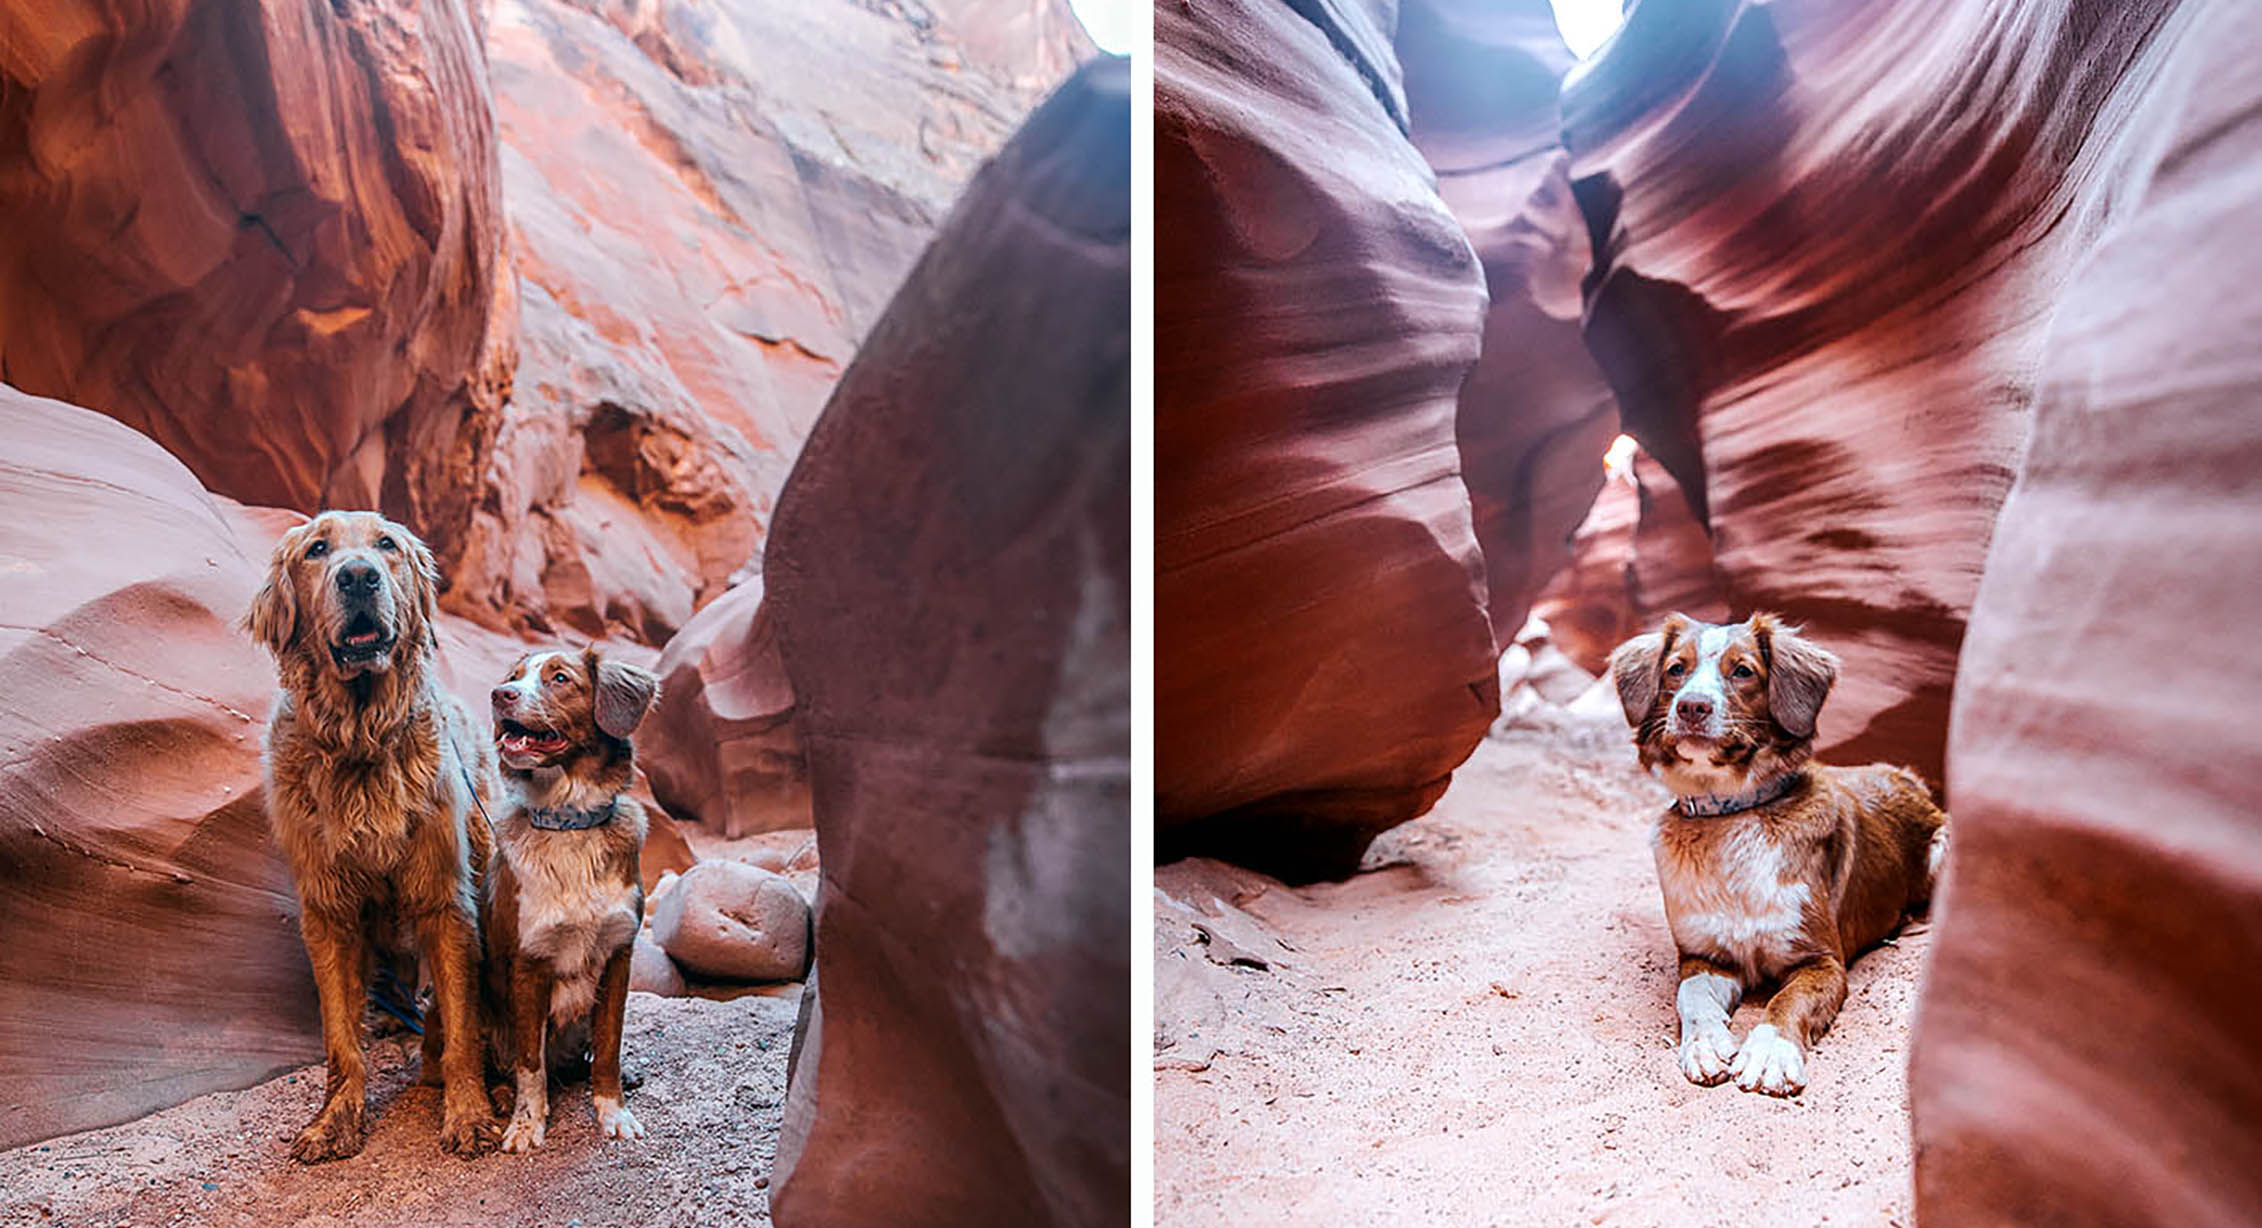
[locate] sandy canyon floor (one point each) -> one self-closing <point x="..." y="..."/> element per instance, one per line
<point x="714" y="1084"/>
<point x="1479" y="1029"/>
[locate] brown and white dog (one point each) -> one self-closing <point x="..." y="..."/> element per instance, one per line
<point x="1775" y="868"/>
<point x="568" y="889"/>
<point x="375" y="781"/>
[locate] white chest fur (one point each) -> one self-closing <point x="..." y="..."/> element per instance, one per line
<point x="1729" y="902"/>
<point x="572" y="912"/>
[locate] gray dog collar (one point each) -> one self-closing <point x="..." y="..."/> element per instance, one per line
<point x="1709" y="805"/>
<point x="572" y="818"/>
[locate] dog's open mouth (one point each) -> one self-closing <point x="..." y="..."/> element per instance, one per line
<point x="522" y="740"/>
<point x="364" y="640"/>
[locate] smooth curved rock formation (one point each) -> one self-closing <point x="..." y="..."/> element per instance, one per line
<point x="139" y="893"/>
<point x="1830" y="238"/>
<point x="268" y="236"/>
<point x="711" y="202"/>
<point x="1324" y="657"/>
<point x="1535" y="412"/>
<point x="2087" y="1051"/>
<point x="964" y="692"/>
<point x="1639" y="555"/>
<point x="721" y="743"/>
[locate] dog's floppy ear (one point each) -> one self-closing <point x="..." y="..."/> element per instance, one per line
<point x="624" y="693"/>
<point x="426" y="583"/>
<point x="1799" y="674"/>
<point x="273" y="617"/>
<point x="1634" y="668"/>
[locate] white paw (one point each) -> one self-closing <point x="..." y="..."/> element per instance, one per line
<point x="1705" y="1054"/>
<point x="1770" y="1062"/>
<point x="525" y="1131"/>
<point x="615" y="1121"/>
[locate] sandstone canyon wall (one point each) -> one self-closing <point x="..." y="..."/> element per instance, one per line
<point x="1829" y="240"/>
<point x="964" y="694"/>
<point x="1362" y="473"/>
<point x="268" y="236"/>
<point x="2087" y="1051"/>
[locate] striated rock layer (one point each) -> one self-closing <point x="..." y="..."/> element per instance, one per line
<point x="1324" y="656"/>
<point x="1829" y="239"/>
<point x="711" y="203"/>
<point x="153" y="950"/>
<point x="721" y="743"/>
<point x="2087" y="1052"/>
<point x="964" y="692"/>
<point x="1639" y="555"/>
<point x="268" y="236"/>
<point x="1535" y="412"/>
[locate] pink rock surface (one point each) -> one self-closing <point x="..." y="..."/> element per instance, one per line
<point x="721" y="743"/>
<point x="1324" y="656"/>
<point x="153" y="950"/>
<point x="1639" y="555"/>
<point x="2087" y="1051"/>
<point x="1820" y="303"/>
<point x="268" y="236"/>
<point x="950" y="574"/>
<point x="731" y="921"/>
<point x="1535" y="413"/>
<point x="710" y="204"/>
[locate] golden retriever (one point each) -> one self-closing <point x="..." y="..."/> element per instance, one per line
<point x="377" y="782"/>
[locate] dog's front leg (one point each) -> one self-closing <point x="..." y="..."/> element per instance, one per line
<point x="1773" y="1059"/>
<point x="335" y="948"/>
<point x="1707" y="998"/>
<point x="613" y="1118"/>
<point x="530" y="1019"/>
<point x="467" y="1122"/>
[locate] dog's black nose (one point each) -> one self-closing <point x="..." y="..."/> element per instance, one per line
<point x="1693" y="708"/>
<point x="358" y="578"/>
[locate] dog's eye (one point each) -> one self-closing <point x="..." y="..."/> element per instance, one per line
<point x="1741" y="671"/>
<point x="318" y="549"/>
<point x="1676" y="669"/>
<point x="387" y="544"/>
<point x="561" y="678"/>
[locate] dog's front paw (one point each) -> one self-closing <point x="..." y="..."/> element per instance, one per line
<point x="525" y="1133"/>
<point x="470" y="1132"/>
<point x="615" y="1121"/>
<point x="1706" y="1054"/>
<point x="1770" y="1062"/>
<point x="334" y="1134"/>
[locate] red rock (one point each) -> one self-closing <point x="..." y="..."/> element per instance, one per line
<point x="721" y="743"/>
<point x="268" y="236"/>
<point x="1820" y="304"/>
<point x="964" y="692"/>
<point x="1325" y="657"/>
<point x="730" y="921"/>
<point x="711" y="202"/>
<point x="650" y="969"/>
<point x="2087" y="1051"/>
<point x="1639" y="555"/>
<point x="138" y="888"/>
<point x="1535" y="414"/>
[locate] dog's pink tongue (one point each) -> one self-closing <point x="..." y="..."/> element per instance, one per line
<point x="364" y="637"/>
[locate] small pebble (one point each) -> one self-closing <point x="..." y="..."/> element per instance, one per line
<point x="210" y="1186"/>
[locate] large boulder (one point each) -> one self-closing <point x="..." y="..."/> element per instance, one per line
<point x="2087" y="1052"/>
<point x="964" y="692"/>
<point x="269" y="236"/>
<point x="1820" y="304"/>
<point x="711" y="202"/>
<point x="721" y="743"/>
<point x="1325" y="657"/>
<point x="730" y="921"/>
<point x="152" y="948"/>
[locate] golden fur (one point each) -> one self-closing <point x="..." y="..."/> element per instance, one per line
<point x="375" y="776"/>
<point x="1820" y="864"/>
<point x="566" y="904"/>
